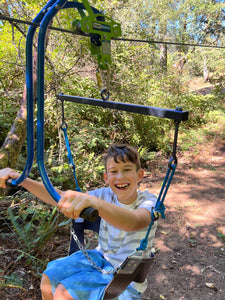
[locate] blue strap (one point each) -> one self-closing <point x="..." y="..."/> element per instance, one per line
<point x="70" y="157"/>
<point x="159" y="209"/>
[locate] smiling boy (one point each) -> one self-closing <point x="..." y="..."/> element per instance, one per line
<point x="125" y="216"/>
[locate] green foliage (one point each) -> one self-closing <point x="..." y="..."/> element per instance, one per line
<point x="216" y="118"/>
<point x="32" y="233"/>
<point x="12" y="281"/>
<point x="7" y="115"/>
<point x="219" y="89"/>
<point x="214" y="59"/>
<point x="136" y="77"/>
<point x="198" y="106"/>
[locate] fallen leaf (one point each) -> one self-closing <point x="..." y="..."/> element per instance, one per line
<point x="174" y="262"/>
<point x="210" y="285"/>
<point x="163" y="232"/>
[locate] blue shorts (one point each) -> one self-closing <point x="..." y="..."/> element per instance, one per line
<point x="82" y="280"/>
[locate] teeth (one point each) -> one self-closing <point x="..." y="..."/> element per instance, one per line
<point x="122" y="185"/>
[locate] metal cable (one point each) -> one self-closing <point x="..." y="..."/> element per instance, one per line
<point x="14" y="20"/>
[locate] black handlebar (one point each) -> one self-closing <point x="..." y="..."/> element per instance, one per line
<point x="90" y="214"/>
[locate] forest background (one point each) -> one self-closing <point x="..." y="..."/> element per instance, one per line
<point x="161" y="74"/>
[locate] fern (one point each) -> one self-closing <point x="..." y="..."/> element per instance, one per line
<point x="19" y="230"/>
<point x="33" y="238"/>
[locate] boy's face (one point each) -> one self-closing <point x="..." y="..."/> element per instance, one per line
<point x="123" y="179"/>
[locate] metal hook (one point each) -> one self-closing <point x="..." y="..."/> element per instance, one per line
<point x="105" y="94"/>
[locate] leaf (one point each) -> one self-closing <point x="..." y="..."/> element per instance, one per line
<point x="210" y="285"/>
<point x="20" y="231"/>
<point x="31" y="287"/>
<point x="164" y="232"/>
<point x="14" y="279"/>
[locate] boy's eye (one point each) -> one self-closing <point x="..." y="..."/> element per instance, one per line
<point x="113" y="172"/>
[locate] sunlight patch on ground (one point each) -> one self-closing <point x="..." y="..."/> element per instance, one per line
<point x="193" y="268"/>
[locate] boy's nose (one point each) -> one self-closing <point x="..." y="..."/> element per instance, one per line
<point x="119" y="174"/>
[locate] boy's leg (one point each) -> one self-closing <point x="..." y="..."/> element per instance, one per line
<point x="46" y="290"/>
<point x="61" y="293"/>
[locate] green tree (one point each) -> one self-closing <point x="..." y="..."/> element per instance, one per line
<point x="136" y="73"/>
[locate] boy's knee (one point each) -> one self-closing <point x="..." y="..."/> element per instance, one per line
<point x="62" y="293"/>
<point x="46" y="285"/>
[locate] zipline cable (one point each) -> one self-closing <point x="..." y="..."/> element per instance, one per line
<point x="167" y="43"/>
<point x="14" y="20"/>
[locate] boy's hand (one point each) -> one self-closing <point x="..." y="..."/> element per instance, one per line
<point x="5" y="174"/>
<point x="72" y="203"/>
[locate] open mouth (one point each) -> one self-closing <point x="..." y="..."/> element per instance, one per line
<point x="122" y="186"/>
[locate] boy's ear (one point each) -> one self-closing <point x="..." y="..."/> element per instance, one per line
<point x="140" y="174"/>
<point x="105" y="177"/>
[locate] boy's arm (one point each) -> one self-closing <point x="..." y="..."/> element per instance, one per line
<point x="72" y="203"/>
<point x="123" y="218"/>
<point x="36" y="188"/>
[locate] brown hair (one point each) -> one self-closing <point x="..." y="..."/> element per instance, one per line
<point x="124" y="153"/>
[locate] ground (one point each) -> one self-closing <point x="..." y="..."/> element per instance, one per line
<point x="190" y="243"/>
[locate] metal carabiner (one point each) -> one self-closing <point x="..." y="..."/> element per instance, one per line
<point x="104" y="92"/>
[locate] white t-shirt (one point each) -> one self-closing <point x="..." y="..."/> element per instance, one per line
<point x="116" y="244"/>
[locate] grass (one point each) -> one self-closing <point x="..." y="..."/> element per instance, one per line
<point x="189" y="139"/>
<point x="198" y="83"/>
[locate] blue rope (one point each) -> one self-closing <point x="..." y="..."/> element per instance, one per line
<point x="70" y="157"/>
<point x="159" y="209"/>
<point x="64" y="127"/>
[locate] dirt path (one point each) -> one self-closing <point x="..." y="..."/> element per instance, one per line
<point x="190" y="243"/>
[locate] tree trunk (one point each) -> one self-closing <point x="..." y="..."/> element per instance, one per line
<point x="205" y="70"/>
<point x="13" y="143"/>
<point x="163" y="57"/>
<point x="180" y="65"/>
